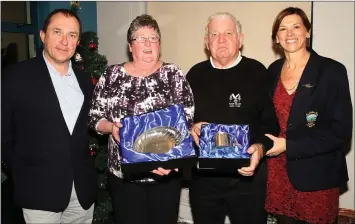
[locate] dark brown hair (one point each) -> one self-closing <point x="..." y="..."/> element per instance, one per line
<point x="286" y="12"/>
<point x="66" y="13"/>
<point x="139" y="22"/>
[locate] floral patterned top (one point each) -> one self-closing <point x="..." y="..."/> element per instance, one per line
<point x="118" y="94"/>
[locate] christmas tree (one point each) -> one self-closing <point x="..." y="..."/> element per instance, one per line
<point x="88" y="57"/>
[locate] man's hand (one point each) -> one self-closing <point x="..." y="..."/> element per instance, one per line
<point x="196" y="132"/>
<point x="115" y="130"/>
<point x="279" y="146"/>
<point x="256" y="151"/>
<point x="161" y="172"/>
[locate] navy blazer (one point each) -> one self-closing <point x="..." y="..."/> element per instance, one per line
<point x="319" y="126"/>
<point x="43" y="156"/>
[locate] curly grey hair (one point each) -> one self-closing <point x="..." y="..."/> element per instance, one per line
<point x="139" y="22"/>
<point x="238" y="26"/>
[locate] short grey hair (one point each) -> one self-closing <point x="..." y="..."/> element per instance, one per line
<point x="139" y="22"/>
<point x="238" y="26"/>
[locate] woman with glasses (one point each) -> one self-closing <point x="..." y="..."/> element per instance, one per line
<point x="139" y="86"/>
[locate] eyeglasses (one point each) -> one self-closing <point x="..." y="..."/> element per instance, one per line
<point x="152" y="39"/>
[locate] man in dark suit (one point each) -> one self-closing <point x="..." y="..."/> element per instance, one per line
<point x="44" y="133"/>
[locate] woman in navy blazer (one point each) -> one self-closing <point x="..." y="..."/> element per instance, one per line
<point x="307" y="165"/>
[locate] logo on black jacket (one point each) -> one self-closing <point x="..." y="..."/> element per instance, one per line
<point x="235" y="100"/>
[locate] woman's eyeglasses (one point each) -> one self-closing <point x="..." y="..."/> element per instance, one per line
<point x="152" y="39"/>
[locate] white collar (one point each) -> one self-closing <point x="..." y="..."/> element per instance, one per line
<point x="239" y="58"/>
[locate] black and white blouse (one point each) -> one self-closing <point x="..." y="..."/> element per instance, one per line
<point x="118" y="94"/>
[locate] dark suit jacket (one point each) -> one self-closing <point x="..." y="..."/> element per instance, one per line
<point x="316" y="154"/>
<point x="44" y="158"/>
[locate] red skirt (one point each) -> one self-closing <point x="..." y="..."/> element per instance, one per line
<point x="282" y="198"/>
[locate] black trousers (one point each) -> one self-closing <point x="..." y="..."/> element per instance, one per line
<point x="145" y="203"/>
<point x="213" y="198"/>
<point x="282" y="219"/>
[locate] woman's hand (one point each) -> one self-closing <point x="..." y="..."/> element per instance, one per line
<point x="196" y="132"/>
<point x="279" y="145"/>
<point x="161" y="172"/>
<point x="107" y="127"/>
<point x="115" y="130"/>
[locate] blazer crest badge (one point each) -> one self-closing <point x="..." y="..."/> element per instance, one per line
<point x="311" y="118"/>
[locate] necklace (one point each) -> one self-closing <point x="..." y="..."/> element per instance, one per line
<point x="292" y="88"/>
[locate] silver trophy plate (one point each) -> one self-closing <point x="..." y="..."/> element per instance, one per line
<point x="158" y="140"/>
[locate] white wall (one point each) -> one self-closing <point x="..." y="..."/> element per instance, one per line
<point x="113" y="20"/>
<point x="182" y="26"/>
<point x="333" y="36"/>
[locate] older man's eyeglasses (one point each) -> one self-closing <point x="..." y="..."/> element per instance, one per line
<point x="152" y="39"/>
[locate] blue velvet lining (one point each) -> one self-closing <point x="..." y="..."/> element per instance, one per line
<point x="133" y="126"/>
<point x="239" y="141"/>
